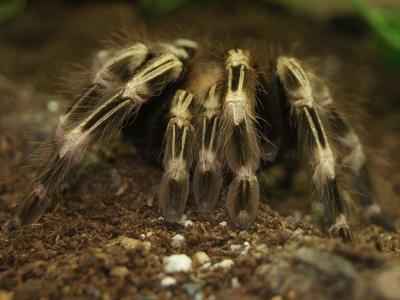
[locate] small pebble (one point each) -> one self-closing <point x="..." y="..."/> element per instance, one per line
<point x="223" y="223"/>
<point x="225" y="264"/>
<point x="205" y="266"/>
<point x="177" y="263"/>
<point x="235" y="282"/>
<point x="200" y="258"/>
<point x="119" y="271"/>
<point x="131" y="244"/>
<point x="246" y="248"/>
<point x="188" y="223"/>
<point x="168" y="281"/>
<point x="177" y="240"/>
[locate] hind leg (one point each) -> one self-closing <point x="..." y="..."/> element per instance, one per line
<point x="306" y="118"/>
<point x="351" y="155"/>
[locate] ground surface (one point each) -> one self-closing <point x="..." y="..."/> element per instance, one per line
<point x="105" y="240"/>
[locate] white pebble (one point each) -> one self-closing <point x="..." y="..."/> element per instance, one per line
<point x="223" y="224"/>
<point x="200" y="258"/>
<point x="177" y="263"/>
<point x="235" y="282"/>
<point x="206" y="266"/>
<point x="131" y="244"/>
<point x="188" y="223"/>
<point x="142" y="236"/>
<point x="168" y="281"/>
<point x="298" y="231"/>
<point x="185" y="222"/>
<point x="177" y="240"/>
<point x="225" y="264"/>
<point x="246" y="248"/>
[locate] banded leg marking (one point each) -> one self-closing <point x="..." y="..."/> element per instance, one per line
<point x="239" y="139"/>
<point x="351" y="155"/>
<point x="207" y="178"/>
<point x="112" y="68"/>
<point x="303" y="110"/>
<point x="178" y="157"/>
<point x="108" y="114"/>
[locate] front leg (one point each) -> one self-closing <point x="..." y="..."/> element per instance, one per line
<point x="99" y="119"/>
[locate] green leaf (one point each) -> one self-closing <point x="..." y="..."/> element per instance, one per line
<point x="385" y="24"/>
<point x="9" y="8"/>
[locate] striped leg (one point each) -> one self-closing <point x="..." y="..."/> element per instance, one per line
<point x="238" y="138"/>
<point x="351" y="155"/>
<point x="93" y="125"/>
<point x="178" y="157"/>
<point x="109" y="70"/>
<point x="207" y="178"/>
<point x="306" y="118"/>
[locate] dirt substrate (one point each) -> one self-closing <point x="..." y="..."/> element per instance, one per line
<point x="105" y="238"/>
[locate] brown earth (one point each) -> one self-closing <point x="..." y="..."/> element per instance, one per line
<point x="105" y="239"/>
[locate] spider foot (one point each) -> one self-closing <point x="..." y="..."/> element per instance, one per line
<point x="341" y="229"/>
<point x="207" y="183"/>
<point x="242" y="201"/>
<point x="173" y="193"/>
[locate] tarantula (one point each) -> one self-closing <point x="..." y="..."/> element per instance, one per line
<point x="212" y="122"/>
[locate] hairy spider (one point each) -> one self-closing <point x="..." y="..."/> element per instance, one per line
<point x="212" y="120"/>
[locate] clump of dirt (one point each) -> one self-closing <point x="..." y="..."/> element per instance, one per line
<point x="105" y="239"/>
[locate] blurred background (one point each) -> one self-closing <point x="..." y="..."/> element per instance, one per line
<point x="39" y="37"/>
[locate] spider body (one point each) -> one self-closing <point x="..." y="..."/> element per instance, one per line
<point x="211" y="122"/>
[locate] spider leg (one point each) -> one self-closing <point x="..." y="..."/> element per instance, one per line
<point x="238" y="137"/>
<point x="352" y="156"/>
<point x="178" y="157"/>
<point x="207" y="178"/>
<point x="100" y="119"/>
<point x="305" y="116"/>
<point x="110" y="68"/>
